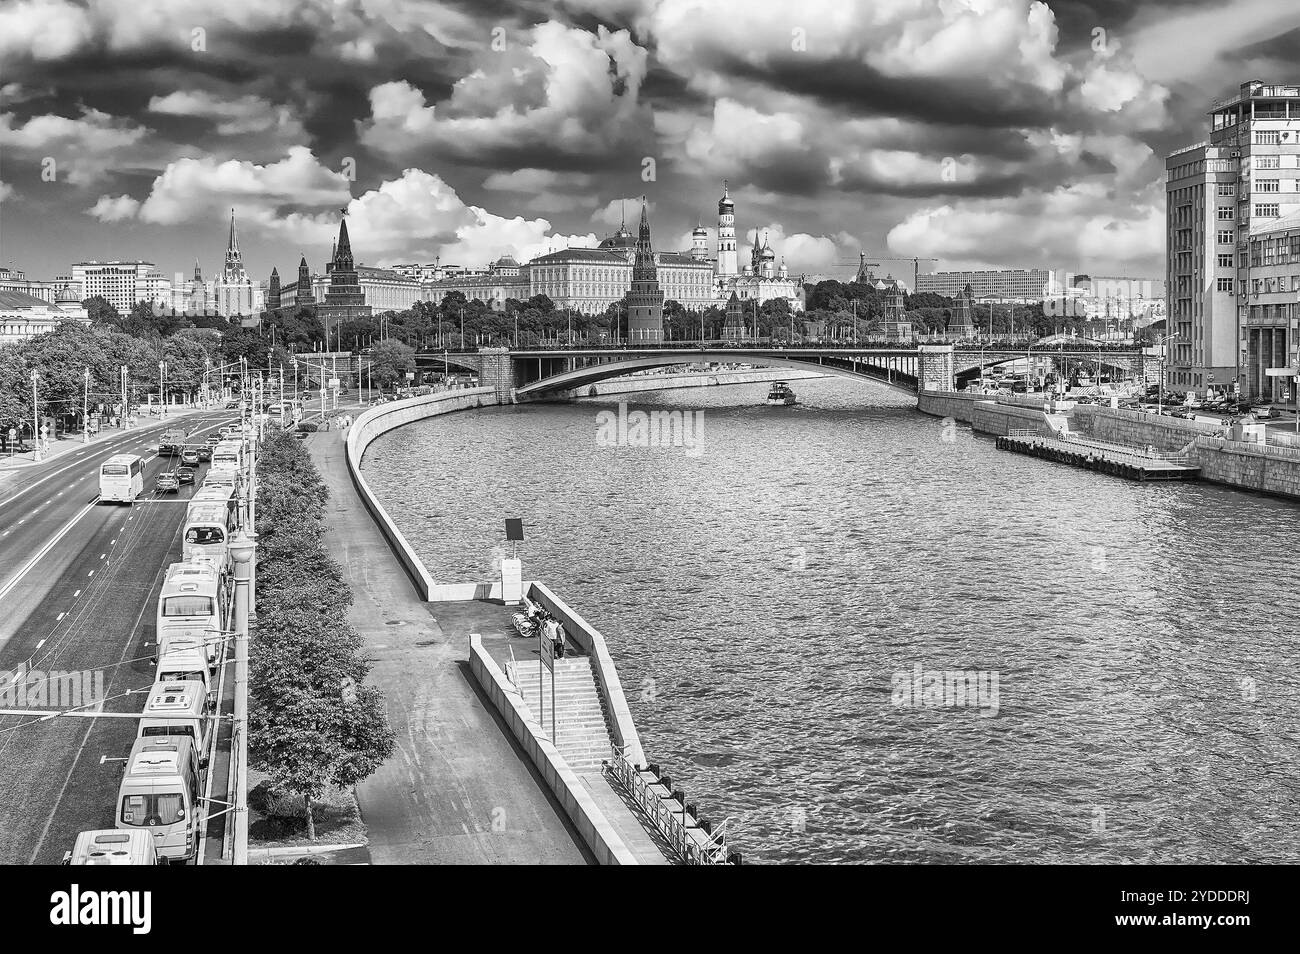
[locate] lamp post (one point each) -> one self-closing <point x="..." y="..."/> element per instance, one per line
<point x="36" y="420"/>
<point x="207" y="386"/>
<point x="85" y="409"/>
<point x="126" y="411"/>
<point x="162" y="388"/>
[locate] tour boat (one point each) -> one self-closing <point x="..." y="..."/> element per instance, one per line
<point x="780" y="394"/>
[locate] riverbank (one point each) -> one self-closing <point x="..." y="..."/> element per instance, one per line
<point x="457" y="791"/>
<point x="1271" y="468"/>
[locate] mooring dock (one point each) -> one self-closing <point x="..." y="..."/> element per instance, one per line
<point x="1132" y="463"/>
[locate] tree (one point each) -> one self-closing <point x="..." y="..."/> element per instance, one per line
<point x="245" y="343"/>
<point x="312" y="723"/>
<point x="392" y="359"/>
<point x="101" y="312"/>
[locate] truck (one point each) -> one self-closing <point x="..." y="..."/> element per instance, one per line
<point x="172" y="441"/>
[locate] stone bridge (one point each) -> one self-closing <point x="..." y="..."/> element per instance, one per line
<point x="529" y="374"/>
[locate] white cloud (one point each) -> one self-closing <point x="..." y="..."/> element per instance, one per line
<point x="233" y="117"/>
<point x="83" y="149"/>
<point x="114" y="208"/>
<point x="567" y="91"/>
<point x="1081" y="225"/>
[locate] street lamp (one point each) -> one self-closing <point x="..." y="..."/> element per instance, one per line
<point x="162" y="388"/>
<point x="125" y="410"/>
<point x="36" y="420"/>
<point x="85" y="409"/>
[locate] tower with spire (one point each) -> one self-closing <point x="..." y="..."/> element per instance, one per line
<point x="234" y="290"/>
<point x="645" y="300"/>
<point x="344" y="299"/>
<point x="273" y="291"/>
<point x="302" y="293"/>
<point x="727" y="264"/>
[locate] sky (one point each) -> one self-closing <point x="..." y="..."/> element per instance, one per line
<point x="982" y="133"/>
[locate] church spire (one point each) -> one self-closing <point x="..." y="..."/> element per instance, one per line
<point x="233" y="246"/>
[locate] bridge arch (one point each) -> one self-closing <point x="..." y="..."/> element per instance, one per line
<point x="857" y="370"/>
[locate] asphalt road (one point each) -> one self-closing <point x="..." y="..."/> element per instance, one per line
<point x="79" y="585"/>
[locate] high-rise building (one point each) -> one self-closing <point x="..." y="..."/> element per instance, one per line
<point x="645" y="301"/>
<point x="1227" y="328"/>
<point x="234" y="290"/>
<point x="344" y="299"/>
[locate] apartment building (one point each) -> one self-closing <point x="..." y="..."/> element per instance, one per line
<point x="1240" y="183"/>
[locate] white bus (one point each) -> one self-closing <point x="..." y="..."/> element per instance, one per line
<point x="160" y="793"/>
<point x="208" y="525"/>
<point x="228" y="455"/>
<point x="193" y="603"/>
<point x="121" y="479"/>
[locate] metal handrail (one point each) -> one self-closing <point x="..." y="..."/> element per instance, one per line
<point x="674" y="826"/>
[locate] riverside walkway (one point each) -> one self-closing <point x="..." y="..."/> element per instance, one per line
<point x="457" y="790"/>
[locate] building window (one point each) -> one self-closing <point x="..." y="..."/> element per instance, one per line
<point x="1265" y="137"/>
<point x="1227" y="236"/>
<point x="1223" y="284"/>
<point x="1267" y="185"/>
<point x="1266" y="162"/>
<point x="1227" y="188"/>
<point x="1226" y="261"/>
<point x="1225" y="213"/>
<point x="1267" y="210"/>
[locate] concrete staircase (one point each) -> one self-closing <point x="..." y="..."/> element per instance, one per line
<point x="583" y="726"/>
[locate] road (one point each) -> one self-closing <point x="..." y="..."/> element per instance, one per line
<point x="79" y="584"/>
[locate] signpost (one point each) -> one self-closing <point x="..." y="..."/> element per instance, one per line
<point x="546" y="652"/>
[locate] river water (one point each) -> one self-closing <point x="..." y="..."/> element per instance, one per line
<point x="782" y="604"/>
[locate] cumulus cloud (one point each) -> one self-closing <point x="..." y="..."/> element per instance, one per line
<point x="1066" y="228"/>
<point x="84" y="149"/>
<point x="567" y="93"/>
<point x="111" y="208"/>
<point x="232" y="117"/>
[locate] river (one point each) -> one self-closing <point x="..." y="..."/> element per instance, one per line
<point x="1126" y="650"/>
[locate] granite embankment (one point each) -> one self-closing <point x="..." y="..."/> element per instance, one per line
<point x="1272" y="468"/>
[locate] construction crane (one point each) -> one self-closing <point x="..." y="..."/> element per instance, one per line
<point x="916" y="261"/>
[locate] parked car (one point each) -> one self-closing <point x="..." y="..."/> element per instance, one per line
<point x="205" y="454"/>
<point x="190" y="456"/>
<point x="167" y="483"/>
<point x="1265" y="413"/>
<point x="185" y="474"/>
<point x="232" y="405"/>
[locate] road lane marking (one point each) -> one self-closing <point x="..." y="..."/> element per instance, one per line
<point x="122" y="440"/>
<point x="91" y="573"/>
<point x="8" y="587"/>
<point x="61" y="615"/>
<point x="42" y="642"/>
<point x="76" y="594"/>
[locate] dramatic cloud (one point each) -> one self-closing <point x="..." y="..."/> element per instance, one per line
<point x="568" y="95"/>
<point x="1008" y="132"/>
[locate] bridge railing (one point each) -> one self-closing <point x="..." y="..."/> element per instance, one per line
<point x="691" y="843"/>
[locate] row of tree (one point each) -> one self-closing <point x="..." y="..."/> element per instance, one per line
<point x="313" y="723"/>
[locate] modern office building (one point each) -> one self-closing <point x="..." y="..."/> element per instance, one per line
<point x="122" y="284"/>
<point x="1021" y="284"/>
<point x="1228" y="328"/>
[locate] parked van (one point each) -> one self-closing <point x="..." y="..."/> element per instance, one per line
<point x="160" y="794"/>
<point x="184" y="658"/>
<point x="113" y="846"/>
<point x="193" y="603"/>
<point x="177" y="709"/>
